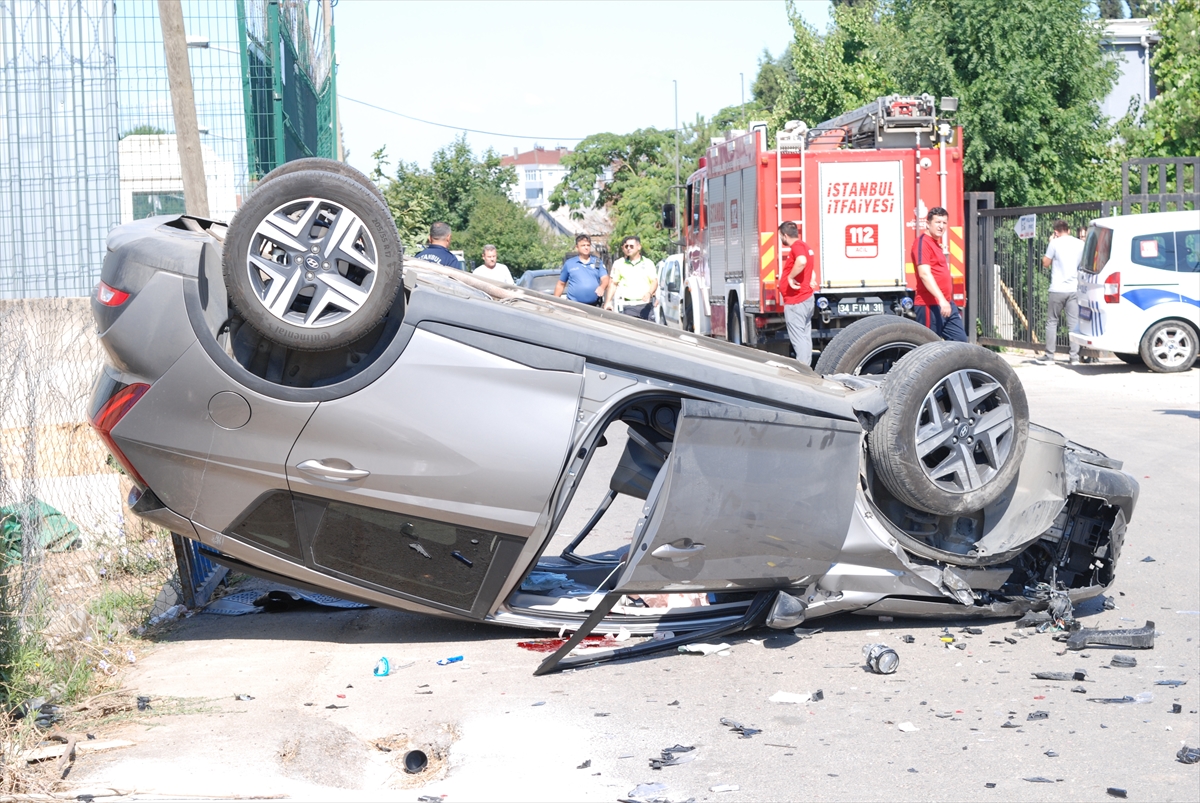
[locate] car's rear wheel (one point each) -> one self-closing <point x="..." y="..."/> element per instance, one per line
<point x="1169" y="347"/>
<point x="953" y="436"/>
<point x="325" y="165"/>
<point x="312" y="260"/>
<point x="872" y="345"/>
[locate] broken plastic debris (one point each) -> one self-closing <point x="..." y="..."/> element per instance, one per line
<point x="881" y="659"/>
<point x="429" y="799"/>
<point x="1143" y="697"/>
<point x="447" y="661"/>
<point x="647" y="791"/>
<point x="1117" y="791"/>
<point x="818" y="696"/>
<point x="1078" y="674"/>
<point x="989" y="785"/>
<point x="1040" y="779"/>
<point x="1127" y="661"/>
<point x="1079" y="689"/>
<point x="1010" y="724"/>
<point x="908" y="639"/>
<point x="673" y="756"/>
<point x="587" y="763"/>
<point x="1148" y="559"/>
<point x="1051" y="754"/>
<point x="907" y="727"/>
<point x="1188" y="755"/>
<point x="807" y="632"/>
<point x="1175" y="683"/>
<point x="1137" y="637"/>
<point x="789" y="697"/>
<point x="333" y="707"/>
<point x="384" y="667"/>
<point x="143" y="703"/>
<point x="724" y="787"/>
<point x="1176" y="708"/>
<point x="174" y="612"/>
<point x="242" y="697"/>
<point x="1034" y="716"/>
<point x="738" y="727"/>
<point x="704" y="649"/>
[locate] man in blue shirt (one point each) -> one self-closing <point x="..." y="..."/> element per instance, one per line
<point x="583" y="276"/>
<point x="438" y="250"/>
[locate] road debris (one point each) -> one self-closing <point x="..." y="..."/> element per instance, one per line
<point x="647" y="792"/>
<point x="739" y="728"/>
<point x="705" y="649"/>
<point x="789" y="697"/>
<point x="807" y="632"/>
<point x="1140" y="638"/>
<point x="1176" y="708"/>
<point x="724" y="787"/>
<point x="881" y="659"/>
<point x="452" y="660"/>
<point x="1173" y="683"/>
<point x="385" y="667"/>
<point x="1116" y="791"/>
<point x="1078" y="674"/>
<point x="1143" y="697"/>
<point x="907" y="727"/>
<point x="242" y="698"/>
<point x="1188" y="755"/>
<point x="586" y="763"/>
<point x="674" y="756"/>
<point x="1039" y="779"/>
<point x="1126" y="661"/>
<point x="415" y="762"/>
<point x="1034" y="716"/>
<point x="143" y="703"/>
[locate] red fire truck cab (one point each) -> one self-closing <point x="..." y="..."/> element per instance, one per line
<point x="858" y="187"/>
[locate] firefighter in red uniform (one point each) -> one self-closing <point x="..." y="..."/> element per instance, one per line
<point x="797" y="283"/>
<point x="935" y="288"/>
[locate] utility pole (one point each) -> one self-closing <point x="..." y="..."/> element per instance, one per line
<point x="183" y="105"/>
<point x="678" y="221"/>
<point x="742" y="78"/>
<point x="327" y="16"/>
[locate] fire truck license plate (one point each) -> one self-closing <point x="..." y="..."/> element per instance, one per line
<point x="860" y="308"/>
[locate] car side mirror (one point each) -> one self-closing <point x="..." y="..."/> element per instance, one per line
<point x="668" y="216"/>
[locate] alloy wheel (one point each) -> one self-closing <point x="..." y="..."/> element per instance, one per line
<point x="964" y="431"/>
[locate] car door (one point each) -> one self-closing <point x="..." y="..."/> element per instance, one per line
<point x="750" y="498"/>
<point x="1187" y="262"/>
<point x="427" y="483"/>
<point x="672" y="292"/>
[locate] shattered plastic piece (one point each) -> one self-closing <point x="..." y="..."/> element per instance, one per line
<point x="974" y="631"/>
<point x="907" y="727"/>
<point x="1127" y="661"/>
<point x="1148" y="559"/>
<point x="1040" y="779"/>
<point x="587" y="763"/>
<point x="1010" y="724"/>
<point x="1174" y="683"/>
<point x="242" y="697"/>
<point x="447" y="661"/>
<point x="962" y="645"/>
<point x="1137" y="638"/>
<point x="1079" y="690"/>
<point x="704" y="649"/>
<point x="647" y="791"/>
<point x="1176" y="708"/>
<point x="1034" y="716"/>
<point x="807" y="632"/>
<point x="908" y="639"/>
<point x="738" y="727"/>
<point x="333" y="707"/>
<point x="818" y="696"/>
<point x="789" y="697"/>
<point x="1143" y="697"/>
<point x="1109" y="604"/>
<point x="724" y="787"/>
<point x="673" y="702"/>
<point x="429" y="799"/>
<point x="1078" y="674"/>
<point x="1188" y="755"/>
<point x="1051" y="754"/>
<point x="539" y="702"/>
<point x="674" y="756"/>
<point x="881" y="659"/>
<point x="143" y="703"/>
<point x="989" y="785"/>
<point x="1010" y="639"/>
<point x="1116" y="791"/>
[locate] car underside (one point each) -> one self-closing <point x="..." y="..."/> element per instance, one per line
<point x="495" y="454"/>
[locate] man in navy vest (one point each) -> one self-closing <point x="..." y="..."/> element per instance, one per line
<point x="583" y="276"/>
<point x="438" y="249"/>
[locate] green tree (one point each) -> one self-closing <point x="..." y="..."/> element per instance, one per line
<point x="520" y="242"/>
<point x="1172" y="121"/>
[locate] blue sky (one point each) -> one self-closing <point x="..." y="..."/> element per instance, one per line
<point x="543" y="70"/>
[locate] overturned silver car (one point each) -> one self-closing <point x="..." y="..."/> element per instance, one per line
<point x="312" y="408"/>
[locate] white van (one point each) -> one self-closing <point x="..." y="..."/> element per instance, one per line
<point x="1139" y="289"/>
<point x="667" y="297"/>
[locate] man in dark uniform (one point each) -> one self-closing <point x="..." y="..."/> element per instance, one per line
<point x="935" y="288"/>
<point x="438" y="250"/>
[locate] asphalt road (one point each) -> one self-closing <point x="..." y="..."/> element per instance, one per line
<point x="498" y="733"/>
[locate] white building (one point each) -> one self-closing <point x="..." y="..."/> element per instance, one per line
<point x="152" y="179"/>
<point x="538" y="173"/>
<point x="1132" y="42"/>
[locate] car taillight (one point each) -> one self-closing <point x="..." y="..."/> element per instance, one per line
<point x="1112" y="288"/>
<point x="110" y="414"/>
<point x="110" y="296"/>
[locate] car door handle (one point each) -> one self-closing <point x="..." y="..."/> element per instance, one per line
<point x="320" y="469"/>
<point x="669" y="551"/>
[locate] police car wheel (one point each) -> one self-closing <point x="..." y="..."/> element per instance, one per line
<point x="1169" y="347"/>
<point x="953" y="436"/>
<point x="871" y="346"/>
<point x="312" y="260"/>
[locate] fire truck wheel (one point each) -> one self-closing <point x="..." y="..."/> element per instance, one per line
<point x="872" y="345"/>
<point x="327" y="165"/>
<point x="953" y="436"/>
<point x="734" y="325"/>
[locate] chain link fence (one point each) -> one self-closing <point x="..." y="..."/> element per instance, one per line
<point x="79" y="575"/>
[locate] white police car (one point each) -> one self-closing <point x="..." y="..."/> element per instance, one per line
<point x="1139" y="289"/>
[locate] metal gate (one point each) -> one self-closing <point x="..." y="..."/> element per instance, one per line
<point x="1007" y="287"/>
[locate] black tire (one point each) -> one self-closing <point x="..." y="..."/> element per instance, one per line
<point x="872" y="345"/>
<point x="354" y="285"/>
<point x="327" y="165"/>
<point x="689" y="316"/>
<point x="1130" y="359"/>
<point x="916" y="446"/>
<point x="1169" y="347"/>
<point x="733" y="324"/>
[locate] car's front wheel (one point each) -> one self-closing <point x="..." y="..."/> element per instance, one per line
<point x="312" y="260"/>
<point x="953" y="436"/>
<point x="1169" y="347"/>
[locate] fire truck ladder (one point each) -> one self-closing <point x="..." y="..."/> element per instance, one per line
<point x="790" y="140"/>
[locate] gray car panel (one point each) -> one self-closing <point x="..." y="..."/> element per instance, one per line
<point x="156" y="308"/>
<point x="753" y="497"/>
<point x="461" y="454"/>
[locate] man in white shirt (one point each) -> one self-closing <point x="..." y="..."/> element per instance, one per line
<point x="491" y="269"/>
<point x="634" y="280"/>
<point x="1062" y="257"/>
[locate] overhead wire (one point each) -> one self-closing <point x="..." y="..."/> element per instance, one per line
<point x="456" y="127"/>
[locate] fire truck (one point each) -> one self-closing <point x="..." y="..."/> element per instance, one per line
<point x="858" y="186"/>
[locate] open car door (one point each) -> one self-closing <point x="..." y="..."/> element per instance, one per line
<point x="750" y="499"/>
